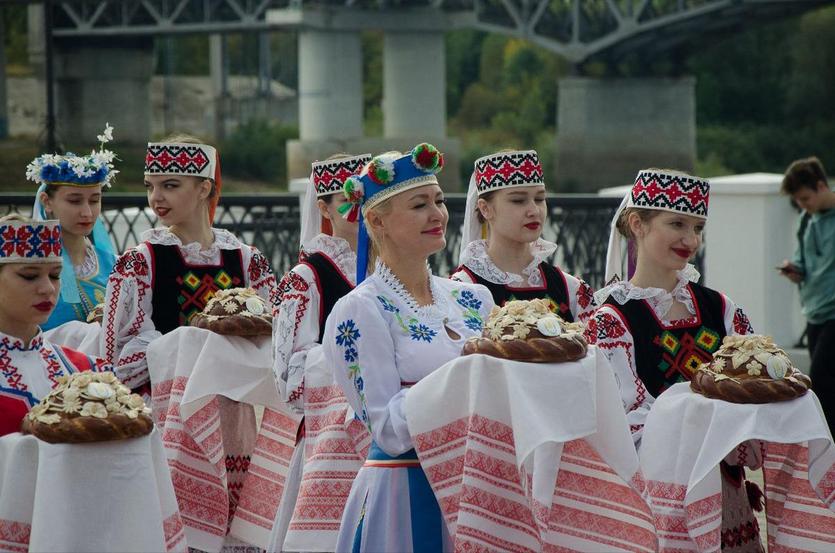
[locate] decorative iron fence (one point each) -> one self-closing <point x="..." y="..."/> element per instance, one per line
<point x="579" y="224"/>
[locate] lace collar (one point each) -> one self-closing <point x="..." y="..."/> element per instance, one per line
<point x="435" y="311"/>
<point x="90" y="265"/>
<point x="338" y="250"/>
<point x="476" y="258"/>
<point x="661" y="300"/>
<point x="12" y="343"/>
<point x="223" y="240"/>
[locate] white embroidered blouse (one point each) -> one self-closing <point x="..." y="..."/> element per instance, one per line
<point x="380" y="342"/>
<point x="127" y="325"/>
<point x="477" y="259"/>
<point x="611" y="333"/>
<point x="29" y="371"/>
<point x="296" y="323"/>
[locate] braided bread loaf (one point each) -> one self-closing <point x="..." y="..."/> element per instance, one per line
<point x="528" y="331"/>
<point x="88" y="407"/>
<point x="235" y="312"/>
<point x="750" y="369"/>
<point x="75" y="429"/>
<point x="560" y="349"/>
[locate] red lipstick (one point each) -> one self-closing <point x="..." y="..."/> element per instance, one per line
<point x="682" y="252"/>
<point x="533" y="226"/>
<point x="437" y="231"/>
<point x="44" y="306"/>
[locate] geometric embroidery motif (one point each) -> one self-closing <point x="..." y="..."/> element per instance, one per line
<point x="24" y="241"/>
<point x="330" y="175"/>
<point x="180" y="159"/>
<point x="507" y="169"/>
<point x="707" y="339"/>
<point x="681" y="357"/>
<point x="671" y="191"/>
<point x="195" y="292"/>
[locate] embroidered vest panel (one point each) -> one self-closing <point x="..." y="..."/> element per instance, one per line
<point x="555" y="290"/>
<point x="667" y="355"/>
<point x="332" y="285"/>
<point x="181" y="290"/>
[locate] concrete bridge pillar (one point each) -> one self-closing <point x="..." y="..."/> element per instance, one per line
<point x="414" y="97"/>
<point x="608" y="129"/>
<point x="330" y="98"/>
<point x="414" y="84"/>
<point x="98" y="82"/>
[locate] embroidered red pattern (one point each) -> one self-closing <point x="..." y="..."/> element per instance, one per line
<point x="13" y="378"/>
<point x="741" y="323"/>
<point x="53" y="366"/>
<point x="608" y="325"/>
<point x="14" y="536"/>
<point x="585" y="295"/>
<point x="293" y="286"/>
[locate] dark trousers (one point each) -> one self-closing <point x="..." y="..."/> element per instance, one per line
<point x="822" y="370"/>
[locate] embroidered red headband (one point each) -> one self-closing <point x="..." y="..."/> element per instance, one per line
<point x="30" y="242"/>
<point x="507" y="169"/>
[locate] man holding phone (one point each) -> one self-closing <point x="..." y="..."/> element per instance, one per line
<point x="813" y="269"/>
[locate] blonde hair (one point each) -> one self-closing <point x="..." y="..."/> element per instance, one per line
<point x="381" y="210"/>
<point x="645" y="215"/>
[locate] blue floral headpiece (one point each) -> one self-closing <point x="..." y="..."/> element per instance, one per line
<point x="383" y="177"/>
<point x="70" y="169"/>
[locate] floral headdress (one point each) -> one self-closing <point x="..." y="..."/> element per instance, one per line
<point x="70" y="169"/>
<point x="78" y="171"/>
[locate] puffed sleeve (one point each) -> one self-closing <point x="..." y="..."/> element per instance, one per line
<point x="462" y="276"/>
<point x="295" y="332"/>
<point x="126" y="323"/>
<point x="736" y="321"/>
<point x="607" y="330"/>
<point x="359" y="345"/>
<point x="581" y="298"/>
<point x="260" y="276"/>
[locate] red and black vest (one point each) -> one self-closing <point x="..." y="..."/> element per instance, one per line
<point x="555" y="290"/>
<point x="665" y="355"/>
<point x="181" y="290"/>
<point x="332" y="284"/>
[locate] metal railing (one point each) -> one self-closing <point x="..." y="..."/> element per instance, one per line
<point x="579" y="224"/>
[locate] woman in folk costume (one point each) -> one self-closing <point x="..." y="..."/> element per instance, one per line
<point x="658" y="326"/>
<point x="69" y="189"/>
<point x="323" y="464"/>
<point x="30" y="273"/>
<point x="507" y="195"/>
<point x="169" y="277"/>
<point x="396" y="327"/>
